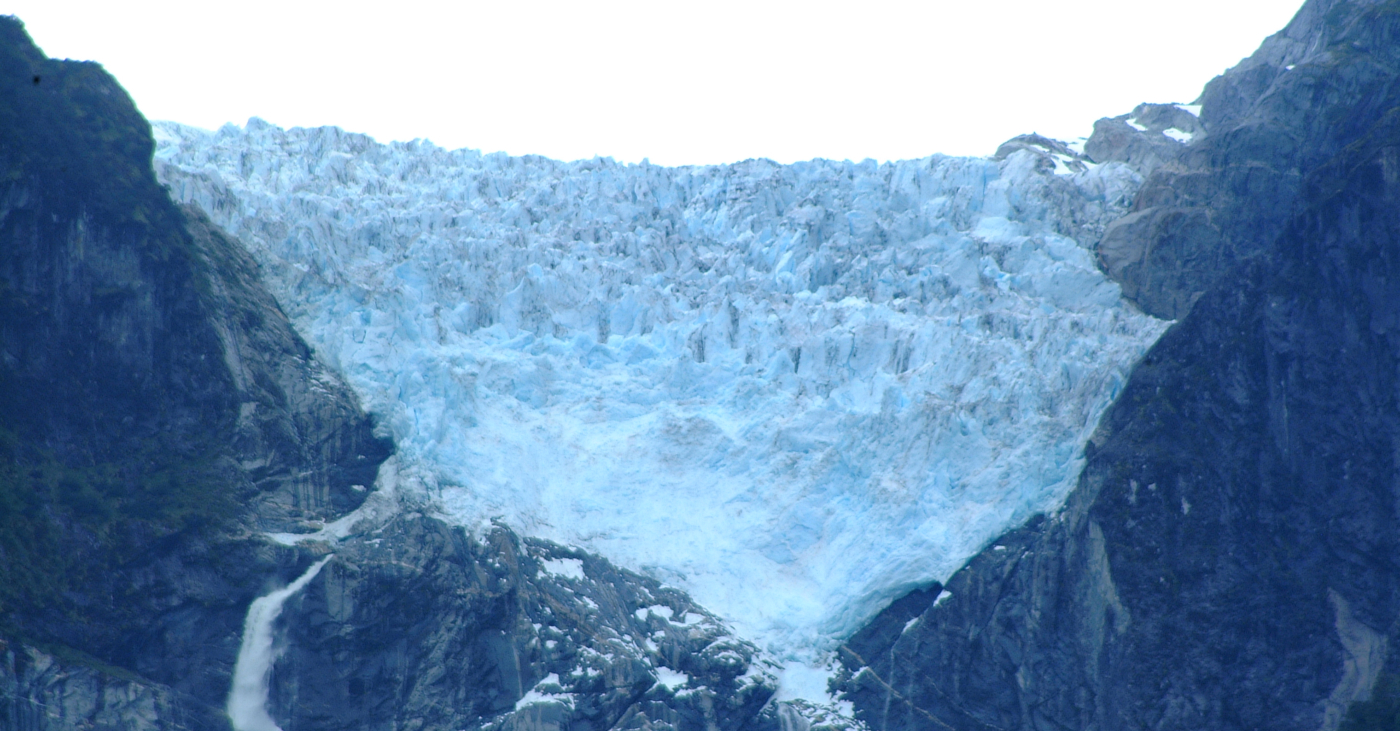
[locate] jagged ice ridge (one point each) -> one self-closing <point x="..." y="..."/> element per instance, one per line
<point x="796" y="391"/>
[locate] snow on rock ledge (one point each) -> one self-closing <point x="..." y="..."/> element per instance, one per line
<point x="795" y="391"/>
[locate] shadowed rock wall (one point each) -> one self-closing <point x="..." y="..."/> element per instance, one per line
<point x="159" y="417"/>
<point x="155" y="406"/>
<point x="1309" y="91"/>
<point x="1228" y="558"/>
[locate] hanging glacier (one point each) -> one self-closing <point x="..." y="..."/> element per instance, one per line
<point x="796" y="391"/>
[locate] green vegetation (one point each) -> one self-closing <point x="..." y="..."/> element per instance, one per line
<point x="62" y="527"/>
<point x="80" y="496"/>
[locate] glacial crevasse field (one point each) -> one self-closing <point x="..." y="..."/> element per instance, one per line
<point x="796" y="391"/>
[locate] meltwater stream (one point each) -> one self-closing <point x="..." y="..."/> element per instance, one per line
<point x="247" y="700"/>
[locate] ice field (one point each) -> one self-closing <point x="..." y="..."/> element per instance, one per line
<point x="794" y="391"/>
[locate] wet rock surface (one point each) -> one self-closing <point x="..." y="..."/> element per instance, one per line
<point x="39" y="692"/>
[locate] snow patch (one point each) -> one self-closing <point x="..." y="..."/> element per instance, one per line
<point x="803" y="694"/>
<point x="543" y="692"/>
<point x="657" y="609"/>
<point x="568" y="568"/>
<point x="672" y="679"/>
<point x="806" y="681"/>
<point x="1069" y="165"/>
<point x="1179" y="135"/>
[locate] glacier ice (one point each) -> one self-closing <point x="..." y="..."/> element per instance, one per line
<point x="796" y="391"/>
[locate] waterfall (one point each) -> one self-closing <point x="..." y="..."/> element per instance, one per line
<point x="247" y="700"/>
<point x="790" y="720"/>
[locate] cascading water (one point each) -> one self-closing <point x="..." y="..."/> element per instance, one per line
<point x="247" y="700"/>
<point x="790" y="719"/>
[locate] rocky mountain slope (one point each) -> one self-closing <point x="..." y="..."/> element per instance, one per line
<point x="171" y="450"/>
<point x="150" y="393"/>
<point x="200" y="527"/>
<point x="1224" y="198"/>
<point x="1227" y="560"/>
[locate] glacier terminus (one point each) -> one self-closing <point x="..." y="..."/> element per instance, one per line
<point x="795" y="391"/>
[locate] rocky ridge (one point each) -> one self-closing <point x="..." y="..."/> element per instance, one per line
<point x="1227" y="559"/>
<point x="415" y="624"/>
<point x="1310" y="90"/>
<point x="172" y="450"/>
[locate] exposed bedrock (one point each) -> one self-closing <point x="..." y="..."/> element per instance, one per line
<point x="418" y="625"/>
<point x="160" y="418"/>
<point x="1220" y="189"/>
<point x="1227" y="560"/>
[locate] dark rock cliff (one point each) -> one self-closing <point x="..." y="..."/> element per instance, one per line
<point x="160" y="419"/>
<point x="1229" y="557"/>
<point x="155" y="406"/>
<point x="1309" y="91"/>
<point x="417" y="625"/>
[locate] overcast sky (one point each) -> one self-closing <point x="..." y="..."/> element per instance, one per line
<point x="678" y="82"/>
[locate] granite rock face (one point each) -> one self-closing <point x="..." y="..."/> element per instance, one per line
<point x="171" y="449"/>
<point x="1152" y="136"/>
<point x="419" y="625"/>
<point x="301" y="438"/>
<point x="155" y="404"/>
<point x="1227" y="559"/>
<point x="1223" y="195"/>
<point x="38" y="692"/>
<point x="140" y="315"/>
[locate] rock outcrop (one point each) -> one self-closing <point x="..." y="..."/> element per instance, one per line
<point x="171" y="449"/>
<point x="1227" y="192"/>
<point x="1152" y="136"/>
<point x="1227" y="560"/>
<point x="40" y="692"/>
<point x="418" y="625"/>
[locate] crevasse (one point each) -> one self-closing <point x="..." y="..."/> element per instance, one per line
<point x="796" y="391"/>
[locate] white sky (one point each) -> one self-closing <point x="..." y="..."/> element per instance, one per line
<point x="678" y="82"/>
